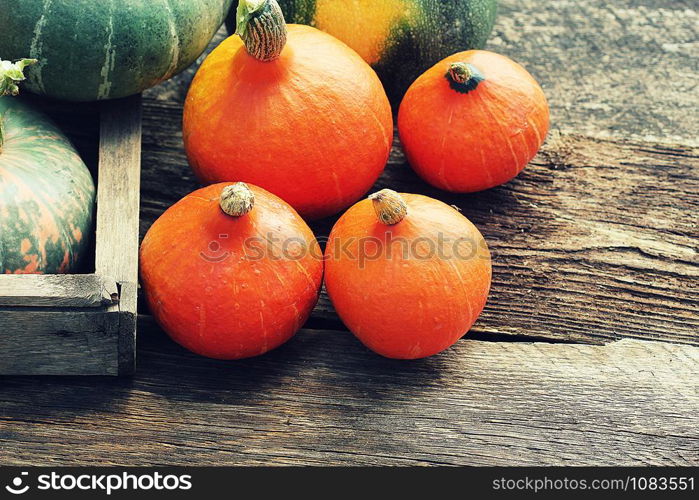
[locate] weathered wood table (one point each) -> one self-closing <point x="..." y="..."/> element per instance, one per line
<point x="588" y="350"/>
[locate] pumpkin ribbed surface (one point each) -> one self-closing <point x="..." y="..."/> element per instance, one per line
<point x="89" y="50"/>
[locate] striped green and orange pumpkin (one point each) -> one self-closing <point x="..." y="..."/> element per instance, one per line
<point x="90" y="50"/>
<point x="46" y="195"/>
<point x="399" y="38"/>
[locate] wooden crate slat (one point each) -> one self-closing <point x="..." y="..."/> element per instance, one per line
<point x="118" y="202"/>
<point x="57" y="290"/>
<point x="58" y="342"/>
<point x="118" y="190"/>
<point x="127" y="307"/>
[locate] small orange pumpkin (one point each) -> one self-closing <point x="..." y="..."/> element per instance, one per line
<point x="473" y="121"/>
<point x="296" y="112"/>
<point x="407" y="274"/>
<point x="231" y="271"/>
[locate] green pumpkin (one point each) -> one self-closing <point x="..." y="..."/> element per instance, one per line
<point x="104" y="49"/>
<point x="47" y="195"/>
<point x="400" y="38"/>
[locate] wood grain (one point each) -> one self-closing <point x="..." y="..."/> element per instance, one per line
<point x="625" y="69"/>
<point x="128" y="300"/>
<point x="323" y="399"/>
<point x="50" y="290"/>
<point x="118" y="201"/>
<point x="118" y="190"/>
<point x="58" y="341"/>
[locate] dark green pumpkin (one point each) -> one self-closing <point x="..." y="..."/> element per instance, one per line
<point x="104" y="49"/>
<point x="47" y="195"/>
<point x="400" y="38"/>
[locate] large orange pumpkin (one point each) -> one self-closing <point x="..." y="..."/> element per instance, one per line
<point x="473" y="121"/>
<point x="296" y="112"/>
<point x="407" y="274"/>
<point x="231" y="271"/>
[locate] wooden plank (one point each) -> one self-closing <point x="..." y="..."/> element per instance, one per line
<point x="118" y="219"/>
<point x="118" y="190"/>
<point x="595" y="241"/>
<point x="57" y="342"/>
<point x="69" y="290"/>
<point x="625" y="69"/>
<point x="126" y="326"/>
<point x="324" y="399"/>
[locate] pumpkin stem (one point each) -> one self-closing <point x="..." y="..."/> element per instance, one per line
<point x="237" y="199"/>
<point x="389" y="206"/>
<point x="10" y="76"/>
<point x="464" y="77"/>
<point x="262" y="27"/>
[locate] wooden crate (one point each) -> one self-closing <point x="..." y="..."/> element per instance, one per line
<point x="85" y="324"/>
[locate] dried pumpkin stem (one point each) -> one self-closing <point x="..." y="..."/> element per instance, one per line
<point x="389" y="206"/>
<point x="237" y="199"/>
<point x="464" y="77"/>
<point x="10" y="76"/>
<point x="262" y="27"/>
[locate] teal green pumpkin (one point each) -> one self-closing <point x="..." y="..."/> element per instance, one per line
<point x="47" y="195"/>
<point x="104" y="49"/>
<point x="400" y="38"/>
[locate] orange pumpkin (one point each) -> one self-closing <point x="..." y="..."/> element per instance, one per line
<point x="231" y="271"/>
<point x="407" y="274"/>
<point x="473" y="121"/>
<point x="297" y="113"/>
